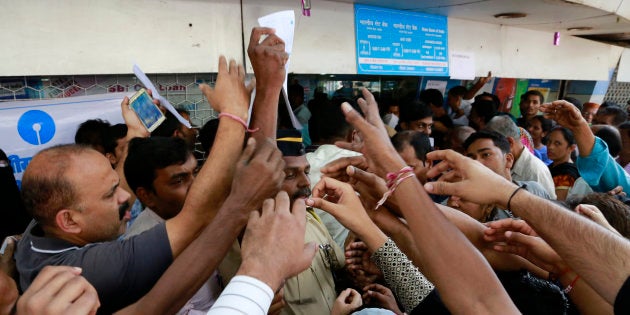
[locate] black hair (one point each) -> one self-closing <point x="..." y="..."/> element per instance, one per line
<point x="92" y="132"/>
<point x="498" y="139"/>
<point x="484" y="109"/>
<point x="612" y="138"/>
<point x="146" y="155"/>
<point x="167" y="127"/>
<point x="432" y="97"/>
<point x="418" y="140"/>
<point x="533" y="92"/>
<point x="457" y="91"/>
<point x="335" y="125"/>
<point x="412" y="110"/>
<point x="577" y="103"/>
<point x="295" y="89"/>
<point x="620" y="115"/>
<point x="495" y="99"/>
<point x="545" y="123"/>
<point x="208" y="133"/>
<point x="115" y="132"/>
<point x="566" y="134"/>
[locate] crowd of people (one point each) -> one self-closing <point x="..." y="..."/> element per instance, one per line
<point x="404" y="204"/>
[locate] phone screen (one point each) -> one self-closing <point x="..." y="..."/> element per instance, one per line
<point x="149" y="113"/>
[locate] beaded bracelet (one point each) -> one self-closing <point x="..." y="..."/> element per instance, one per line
<point x="239" y="120"/>
<point x="393" y="180"/>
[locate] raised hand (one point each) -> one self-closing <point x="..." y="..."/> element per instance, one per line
<point x="258" y="175"/>
<point x="135" y="128"/>
<point x="230" y="94"/>
<point x="467" y="179"/>
<point x="59" y="290"/>
<point x="7" y="263"/>
<point x="347" y="301"/>
<point x="358" y="263"/>
<point x="376" y="146"/>
<point x="565" y="113"/>
<point x="593" y="213"/>
<point x="337" y="168"/>
<point x="382" y="296"/>
<point x="268" y="58"/>
<point x="369" y="186"/>
<point x="272" y="252"/>
<point x="339" y="200"/>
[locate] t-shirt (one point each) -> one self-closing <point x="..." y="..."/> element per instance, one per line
<point x="120" y="271"/>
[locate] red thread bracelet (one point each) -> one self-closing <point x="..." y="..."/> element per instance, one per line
<point x="571" y="286"/>
<point x="393" y="180"/>
<point x="239" y="120"/>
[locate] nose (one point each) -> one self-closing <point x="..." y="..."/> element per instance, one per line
<point x="123" y="196"/>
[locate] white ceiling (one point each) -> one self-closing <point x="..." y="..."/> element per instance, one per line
<point x="604" y="16"/>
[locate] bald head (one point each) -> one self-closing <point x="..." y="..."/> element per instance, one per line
<point x="46" y="188"/>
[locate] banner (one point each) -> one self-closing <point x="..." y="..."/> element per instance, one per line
<point x="27" y="127"/>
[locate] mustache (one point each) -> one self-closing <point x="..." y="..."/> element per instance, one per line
<point x="303" y="192"/>
<point x="122" y="209"/>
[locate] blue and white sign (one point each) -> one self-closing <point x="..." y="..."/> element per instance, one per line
<point x="30" y="126"/>
<point x="398" y="42"/>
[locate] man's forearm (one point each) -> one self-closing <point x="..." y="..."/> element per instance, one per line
<point x="194" y="266"/>
<point x="433" y="233"/>
<point x="265" y="111"/>
<point x="596" y="254"/>
<point x="584" y="139"/>
<point x="211" y="186"/>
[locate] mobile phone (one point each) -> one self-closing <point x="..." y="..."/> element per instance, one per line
<point x="150" y="115"/>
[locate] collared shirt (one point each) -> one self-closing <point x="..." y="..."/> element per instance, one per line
<point x="313" y="290"/>
<point x="529" y="168"/>
<point x="120" y="271"/>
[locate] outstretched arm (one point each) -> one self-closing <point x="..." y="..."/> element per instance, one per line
<point x="258" y="175"/>
<point x="482" y="292"/>
<point x="591" y="250"/>
<point x="268" y="59"/>
<point x="212" y="184"/>
<point x="511" y="236"/>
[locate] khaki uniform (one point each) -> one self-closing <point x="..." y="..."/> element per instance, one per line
<point x="311" y="292"/>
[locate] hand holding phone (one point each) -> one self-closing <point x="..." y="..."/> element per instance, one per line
<point x="148" y="113"/>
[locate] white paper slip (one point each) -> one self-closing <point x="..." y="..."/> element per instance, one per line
<point x="156" y="95"/>
<point x="284" y="24"/>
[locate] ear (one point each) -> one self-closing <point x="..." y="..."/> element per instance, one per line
<point x="403" y="125"/>
<point x="112" y="158"/>
<point x="509" y="161"/>
<point x="66" y="221"/>
<point x="177" y="133"/>
<point x="512" y="143"/>
<point x="146" y="197"/>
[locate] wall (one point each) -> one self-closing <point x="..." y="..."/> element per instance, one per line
<point x="519" y="53"/>
<point x="324" y="42"/>
<point x="104" y="37"/>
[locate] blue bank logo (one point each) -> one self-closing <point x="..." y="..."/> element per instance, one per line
<point x="36" y="127"/>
